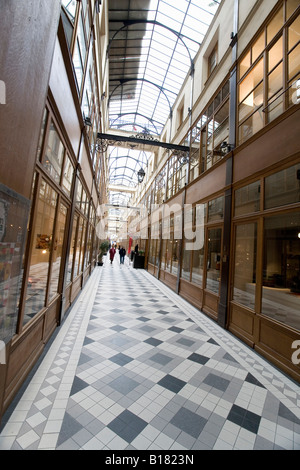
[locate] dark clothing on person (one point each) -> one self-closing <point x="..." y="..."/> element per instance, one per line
<point x="122" y="253"/>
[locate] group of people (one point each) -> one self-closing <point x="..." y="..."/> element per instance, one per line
<point x="112" y="252"/>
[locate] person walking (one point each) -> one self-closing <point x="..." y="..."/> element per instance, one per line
<point x="122" y="253"/>
<point x="112" y="253"/>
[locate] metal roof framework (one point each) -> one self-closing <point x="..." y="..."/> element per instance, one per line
<point x="152" y="46"/>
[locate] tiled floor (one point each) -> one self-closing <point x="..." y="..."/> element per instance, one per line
<point x="136" y="367"/>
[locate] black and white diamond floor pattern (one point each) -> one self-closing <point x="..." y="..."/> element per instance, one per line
<point x="135" y="367"/>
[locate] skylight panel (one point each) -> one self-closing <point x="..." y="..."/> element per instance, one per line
<point x="163" y="59"/>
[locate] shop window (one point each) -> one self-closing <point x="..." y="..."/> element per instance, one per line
<point x="244" y="282"/>
<point x="247" y="199"/>
<point x="213" y="270"/>
<point x="54" y="154"/>
<point x="157" y="252"/>
<point x="67" y="176"/>
<point x="175" y="256"/>
<point x="43" y="245"/>
<point x="198" y="251"/>
<point x="186" y="263"/>
<point x="216" y="209"/>
<point x="57" y="252"/>
<point x="72" y="250"/>
<point x="281" y="269"/>
<point x="283" y="187"/>
<point x="168" y="255"/>
<point x="163" y="254"/>
<point x="152" y="251"/>
<point x="193" y="246"/>
<point x="77" y="270"/>
<point x="198" y="264"/>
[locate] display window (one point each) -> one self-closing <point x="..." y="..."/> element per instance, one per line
<point x="266" y="267"/>
<point x="42" y="247"/>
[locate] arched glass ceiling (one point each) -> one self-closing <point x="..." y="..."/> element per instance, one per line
<point x="124" y="165"/>
<point x="152" y="45"/>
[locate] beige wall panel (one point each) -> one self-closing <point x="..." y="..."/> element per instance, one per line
<point x="86" y="169"/>
<point x="60" y="88"/>
<point x="27" y="38"/>
<point x="268" y="149"/>
<point x="261" y="9"/>
<point x="207" y="185"/>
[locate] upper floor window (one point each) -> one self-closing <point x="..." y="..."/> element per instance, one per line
<point x="213" y="60"/>
<point x="269" y="71"/>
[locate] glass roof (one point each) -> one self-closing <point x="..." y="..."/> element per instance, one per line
<point x="152" y="53"/>
<point x="152" y="44"/>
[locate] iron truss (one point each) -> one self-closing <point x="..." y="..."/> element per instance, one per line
<point x="106" y="140"/>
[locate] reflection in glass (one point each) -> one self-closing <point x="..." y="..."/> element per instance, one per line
<point x="213" y="273"/>
<point x="282" y="187"/>
<point x="281" y="269"/>
<point x="198" y="251"/>
<point x="294" y="33"/>
<point x="57" y="250"/>
<point x="275" y="107"/>
<point x="275" y="81"/>
<point x="251" y="81"/>
<point x="53" y="160"/>
<point x="40" y="255"/>
<point x="175" y="256"/>
<point x="216" y="209"/>
<point x="291" y="6"/>
<point x="197" y="268"/>
<point x="251" y="126"/>
<point x="67" y="176"/>
<point x="72" y="250"/>
<point x="186" y="263"/>
<point x="251" y="103"/>
<point x="163" y="253"/>
<point x="168" y="256"/>
<point x="275" y="54"/>
<point x="275" y="24"/>
<point x="294" y="62"/>
<point x="247" y="199"/>
<point x="42" y="133"/>
<point x="245" y="265"/>
<point x="152" y="251"/>
<point x="258" y="47"/>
